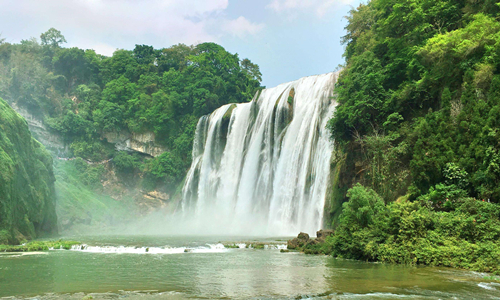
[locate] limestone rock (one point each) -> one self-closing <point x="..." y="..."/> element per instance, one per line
<point x="157" y="195"/>
<point x="298" y="242"/>
<point x="51" y="140"/>
<point x="138" y="142"/>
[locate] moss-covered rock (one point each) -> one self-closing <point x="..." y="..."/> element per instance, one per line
<point x="298" y="242"/>
<point x="226" y="119"/>
<point x="291" y="96"/>
<point x="27" y="197"/>
<point x="229" y="112"/>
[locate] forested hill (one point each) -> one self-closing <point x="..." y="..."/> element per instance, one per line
<point x="419" y="100"/>
<point x="146" y="101"/>
<point x="417" y="134"/>
<point x="27" y="198"/>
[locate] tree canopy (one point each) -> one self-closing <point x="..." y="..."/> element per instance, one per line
<point x="421" y="82"/>
<point x="84" y="95"/>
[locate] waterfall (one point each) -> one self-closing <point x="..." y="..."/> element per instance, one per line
<point x="261" y="168"/>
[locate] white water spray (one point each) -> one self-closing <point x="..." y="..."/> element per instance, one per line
<point x="261" y="168"/>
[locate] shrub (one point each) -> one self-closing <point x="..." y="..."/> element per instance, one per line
<point x="406" y="232"/>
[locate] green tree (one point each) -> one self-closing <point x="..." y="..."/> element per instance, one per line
<point x="52" y="37"/>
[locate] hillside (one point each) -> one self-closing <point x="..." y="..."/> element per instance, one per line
<point x="27" y="197"/>
<point x="416" y="176"/>
<point x="136" y="110"/>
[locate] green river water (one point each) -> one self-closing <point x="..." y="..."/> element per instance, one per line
<point x="120" y="268"/>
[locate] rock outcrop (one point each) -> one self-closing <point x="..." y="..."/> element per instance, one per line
<point x="298" y="242"/>
<point x="138" y="142"/>
<point x="52" y="141"/>
<point x="310" y="246"/>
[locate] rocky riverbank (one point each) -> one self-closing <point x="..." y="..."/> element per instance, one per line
<point x="309" y="245"/>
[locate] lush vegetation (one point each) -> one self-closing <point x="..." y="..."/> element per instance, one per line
<point x="417" y="135"/>
<point x="420" y="97"/>
<point x="39" y="246"/>
<point x="82" y="203"/>
<point x="85" y="96"/>
<point x="414" y="232"/>
<point x="27" y="198"/>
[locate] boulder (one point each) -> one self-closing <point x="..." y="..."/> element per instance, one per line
<point x="298" y="242"/>
<point x="303" y="236"/>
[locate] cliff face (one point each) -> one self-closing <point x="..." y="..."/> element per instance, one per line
<point x="51" y="140"/>
<point x="139" y="142"/>
<point x="27" y="197"/>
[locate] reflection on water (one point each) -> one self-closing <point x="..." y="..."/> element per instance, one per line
<point x="233" y="273"/>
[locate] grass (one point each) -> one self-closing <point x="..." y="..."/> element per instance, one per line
<point x="258" y="246"/>
<point x="492" y="278"/>
<point x="81" y="204"/>
<point x="39" y="246"/>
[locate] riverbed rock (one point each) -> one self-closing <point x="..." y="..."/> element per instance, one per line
<point x="298" y="242"/>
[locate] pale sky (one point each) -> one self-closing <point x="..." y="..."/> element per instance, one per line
<point x="288" y="39"/>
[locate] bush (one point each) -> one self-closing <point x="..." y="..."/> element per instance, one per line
<point x="406" y="232"/>
<point x="166" y="168"/>
<point x="89" y="174"/>
<point x="39" y="246"/>
<point x="125" y="162"/>
<point x="94" y="151"/>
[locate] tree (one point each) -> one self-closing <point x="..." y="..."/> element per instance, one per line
<point x="74" y="65"/>
<point x="144" y="54"/>
<point x="52" y="37"/>
<point x="251" y="69"/>
<point x="174" y="57"/>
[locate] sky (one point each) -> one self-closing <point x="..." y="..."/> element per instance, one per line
<point x="288" y="39"/>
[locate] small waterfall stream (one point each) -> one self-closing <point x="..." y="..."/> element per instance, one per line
<point x="262" y="167"/>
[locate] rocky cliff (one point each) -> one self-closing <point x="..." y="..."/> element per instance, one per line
<point x="51" y="140"/>
<point x="27" y="197"/>
<point x="139" y="142"/>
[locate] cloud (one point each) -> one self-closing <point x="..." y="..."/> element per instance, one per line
<point x="241" y="27"/>
<point x="319" y="7"/>
<point x="111" y="24"/>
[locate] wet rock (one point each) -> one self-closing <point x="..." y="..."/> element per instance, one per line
<point x="303" y="236"/>
<point x="298" y="242"/>
<point x="313" y="242"/>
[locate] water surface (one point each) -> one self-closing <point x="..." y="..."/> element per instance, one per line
<point x="120" y="268"/>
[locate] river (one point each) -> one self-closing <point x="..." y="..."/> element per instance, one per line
<point x="153" y="267"/>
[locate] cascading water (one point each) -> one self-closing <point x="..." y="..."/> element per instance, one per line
<point x="261" y="168"/>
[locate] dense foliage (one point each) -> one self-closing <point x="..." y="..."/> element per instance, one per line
<point x="408" y="232"/>
<point x="414" y="232"/>
<point x="84" y="96"/>
<point x="420" y="94"/>
<point x="27" y="198"/>
<point x="417" y="135"/>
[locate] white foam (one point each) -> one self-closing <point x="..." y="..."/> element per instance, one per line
<point x="377" y="295"/>
<point x="488" y="286"/>
<point x="209" y="248"/>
